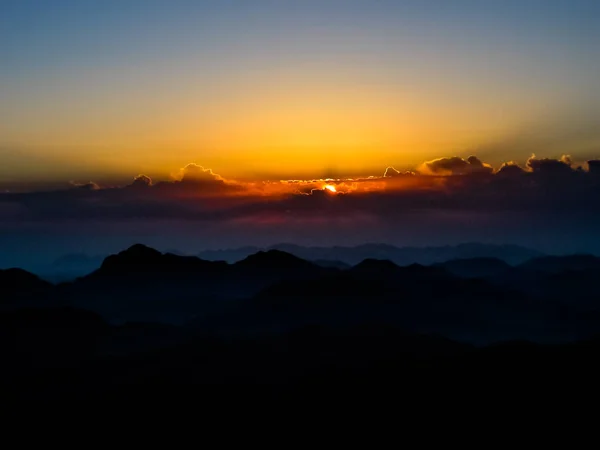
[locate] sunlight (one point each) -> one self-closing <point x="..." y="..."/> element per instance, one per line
<point x="330" y="188"/>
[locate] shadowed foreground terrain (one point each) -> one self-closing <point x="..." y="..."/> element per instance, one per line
<point x="148" y="328"/>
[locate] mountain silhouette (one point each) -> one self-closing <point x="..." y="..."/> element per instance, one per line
<point x="476" y="267"/>
<point x="141" y="283"/>
<point x="409" y="277"/>
<point x="556" y="264"/>
<point x="148" y="327"/>
<point x="332" y="264"/>
<point x="16" y="284"/>
<point x="371" y="265"/>
<point x="275" y="260"/>
<point x="141" y="260"/>
<point x="478" y="298"/>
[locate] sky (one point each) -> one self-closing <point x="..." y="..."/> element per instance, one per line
<point x="285" y="89"/>
<point x="244" y="116"/>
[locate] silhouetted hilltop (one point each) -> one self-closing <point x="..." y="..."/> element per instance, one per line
<point x="141" y="260"/>
<point x="230" y="255"/>
<point x="556" y="264"/>
<point x="17" y="284"/>
<point x="375" y="269"/>
<point x="476" y="267"/>
<point x="142" y="283"/>
<point x="136" y="256"/>
<point x="275" y="260"/>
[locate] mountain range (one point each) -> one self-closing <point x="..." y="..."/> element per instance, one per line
<point x="474" y="299"/>
<point x="150" y="327"/>
<point x="71" y="266"/>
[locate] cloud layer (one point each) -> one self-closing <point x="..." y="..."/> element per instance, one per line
<point x="453" y="184"/>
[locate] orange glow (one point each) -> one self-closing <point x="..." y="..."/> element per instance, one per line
<point x="330" y="188"/>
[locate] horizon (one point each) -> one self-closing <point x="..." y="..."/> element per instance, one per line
<point x="221" y="124"/>
<point x="46" y="265"/>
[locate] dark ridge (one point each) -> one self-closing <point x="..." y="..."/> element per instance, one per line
<point x="392" y="273"/>
<point x="375" y="265"/>
<point x="322" y="292"/>
<point x="141" y="259"/>
<point x="332" y="264"/>
<point x="274" y="260"/>
<point x="475" y="267"/>
<point x="137" y="254"/>
<point x="420" y="272"/>
<point x="18" y="282"/>
<point x="557" y="264"/>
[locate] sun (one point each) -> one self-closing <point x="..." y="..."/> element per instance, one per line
<point x="330" y="188"/>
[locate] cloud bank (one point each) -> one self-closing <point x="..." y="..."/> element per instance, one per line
<point x="449" y="185"/>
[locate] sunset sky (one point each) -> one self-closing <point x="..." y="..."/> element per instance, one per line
<point x="239" y="120"/>
<point x="102" y="90"/>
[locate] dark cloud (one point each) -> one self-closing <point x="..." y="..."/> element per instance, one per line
<point x="550" y="166"/>
<point x="141" y="181"/>
<point x="455" y="166"/>
<point x="510" y="169"/>
<point x="203" y="195"/>
<point x="196" y="181"/>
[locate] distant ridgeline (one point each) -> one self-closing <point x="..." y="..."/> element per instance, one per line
<point x="476" y="299"/>
<point x="70" y="266"/>
<point x="511" y="254"/>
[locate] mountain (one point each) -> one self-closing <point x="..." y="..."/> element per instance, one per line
<point x="511" y="254"/>
<point x="414" y="298"/>
<point x="371" y="265"/>
<point x="332" y="264"/>
<point x="139" y="260"/>
<point x="275" y="323"/>
<point x="143" y="284"/>
<point x="229" y="255"/>
<point x="76" y="358"/>
<point x="149" y="328"/>
<point x="556" y="264"/>
<point x="18" y="284"/>
<point x="274" y="260"/>
<point x="475" y="267"/>
<point x="477" y="299"/>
